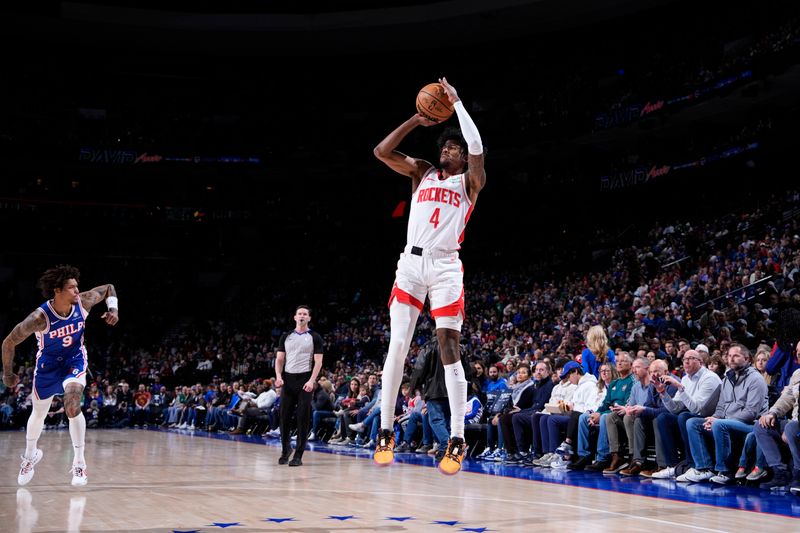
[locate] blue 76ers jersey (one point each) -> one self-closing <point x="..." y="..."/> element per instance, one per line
<point x="63" y="337"/>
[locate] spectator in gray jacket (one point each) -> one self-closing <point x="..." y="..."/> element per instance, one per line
<point x="742" y="400"/>
<point x="768" y="436"/>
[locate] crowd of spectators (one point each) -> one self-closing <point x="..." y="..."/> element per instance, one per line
<point x="720" y="296"/>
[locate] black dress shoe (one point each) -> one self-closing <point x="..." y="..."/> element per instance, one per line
<point x="581" y="463"/>
<point x="296" y="461"/>
<point x="283" y="459"/>
<point x="514" y="458"/>
<point x="598" y="466"/>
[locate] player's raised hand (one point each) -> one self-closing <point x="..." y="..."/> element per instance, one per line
<point x="449" y="90"/>
<point x="423" y="121"/>
<point x="111" y="317"/>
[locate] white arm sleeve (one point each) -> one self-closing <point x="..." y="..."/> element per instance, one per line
<point x="469" y="130"/>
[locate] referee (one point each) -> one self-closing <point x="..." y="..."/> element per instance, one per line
<point x="298" y="352"/>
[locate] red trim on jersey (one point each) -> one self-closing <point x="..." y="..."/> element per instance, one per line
<point x="466" y="220"/>
<point x="464" y="187"/>
<point x="451" y="310"/>
<point x="405" y="298"/>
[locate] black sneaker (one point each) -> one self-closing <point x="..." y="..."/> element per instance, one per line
<point x="296" y="461"/>
<point x="284" y="459"/>
<point x="780" y="480"/>
<point x="403" y="447"/>
<point x="581" y="463"/>
<point x="514" y="458"/>
<point x="598" y="466"/>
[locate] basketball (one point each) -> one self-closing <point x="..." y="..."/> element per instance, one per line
<point x="433" y="104"/>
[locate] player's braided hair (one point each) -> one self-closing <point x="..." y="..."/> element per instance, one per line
<point x="56" y="277"/>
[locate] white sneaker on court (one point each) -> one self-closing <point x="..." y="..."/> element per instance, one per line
<point x="26" y="467"/>
<point x="665" y="473"/>
<point x="79" y="477"/>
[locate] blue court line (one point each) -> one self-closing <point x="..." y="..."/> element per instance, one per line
<point x="731" y="497"/>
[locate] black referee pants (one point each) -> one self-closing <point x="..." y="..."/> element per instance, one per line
<point x="295" y="402"/>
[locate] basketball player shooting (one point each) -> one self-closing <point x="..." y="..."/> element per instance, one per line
<point x="61" y="360"/>
<point x="441" y="203"/>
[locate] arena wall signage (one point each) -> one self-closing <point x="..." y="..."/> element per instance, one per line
<point x="643" y="174"/>
<point x="132" y="157"/>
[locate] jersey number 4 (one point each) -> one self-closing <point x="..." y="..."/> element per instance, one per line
<point x="435" y="218"/>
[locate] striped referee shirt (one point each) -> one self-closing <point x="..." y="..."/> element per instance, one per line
<point x="300" y="349"/>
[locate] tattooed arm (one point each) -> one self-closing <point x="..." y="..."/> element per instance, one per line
<point x="475" y="175"/>
<point x="36" y="321"/>
<point x="94" y="296"/>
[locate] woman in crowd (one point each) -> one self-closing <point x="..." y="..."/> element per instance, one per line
<point x="597" y="351"/>
<point x="347" y="414"/>
<point x="347" y="402"/>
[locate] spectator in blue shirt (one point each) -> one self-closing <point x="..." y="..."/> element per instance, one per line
<point x="596" y="352"/>
<point x="494" y="382"/>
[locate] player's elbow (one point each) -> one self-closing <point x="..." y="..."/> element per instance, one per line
<point x="380" y="153"/>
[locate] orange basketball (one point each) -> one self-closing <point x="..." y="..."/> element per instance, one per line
<point x="433" y="104"/>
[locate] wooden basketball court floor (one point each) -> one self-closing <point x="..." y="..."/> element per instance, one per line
<point x="174" y="481"/>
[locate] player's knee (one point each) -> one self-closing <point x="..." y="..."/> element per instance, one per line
<point x="72" y="405"/>
<point x="448" y="345"/>
<point x="449" y="352"/>
<point x="400" y="336"/>
<point x="72" y="410"/>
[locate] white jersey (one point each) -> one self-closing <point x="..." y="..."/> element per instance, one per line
<point x="439" y="212"/>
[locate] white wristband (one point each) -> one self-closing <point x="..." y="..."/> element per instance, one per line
<point x="112" y="302"/>
<point x="468" y="129"/>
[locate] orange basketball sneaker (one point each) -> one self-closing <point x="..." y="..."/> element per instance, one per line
<point x="453" y="455"/>
<point x="384" y="450"/>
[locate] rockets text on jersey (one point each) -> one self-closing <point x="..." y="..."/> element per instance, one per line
<point x="440" y="209"/>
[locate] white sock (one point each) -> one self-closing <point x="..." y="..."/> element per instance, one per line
<point x="456" y="384"/>
<point x="35" y="424"/>
<point x="77" y="430"/>
<point x="403" y="322"/>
